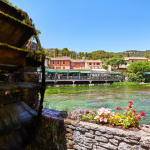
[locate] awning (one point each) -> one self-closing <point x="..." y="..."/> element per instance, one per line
<point x="73" y="71"/>
<point x="146" y="73"/>
<point x="62" y="71"/>
<point x="106" y="72"/>
<point x="56" y="71"/>
<point x="85" y="72"/>
<point x="50" y="70"/>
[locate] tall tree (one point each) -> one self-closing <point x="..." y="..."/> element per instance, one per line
<point x="56" y="51"/>
<point x="115" y="62"/>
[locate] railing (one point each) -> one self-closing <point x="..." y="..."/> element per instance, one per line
<point x="83" y="78"/>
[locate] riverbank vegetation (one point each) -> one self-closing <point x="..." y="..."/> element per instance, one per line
<point x="125" y="83"/>
<point x="137" y="69"/>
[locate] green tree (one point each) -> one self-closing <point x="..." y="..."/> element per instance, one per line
<point x="65" y="52"/>
<point x="115" y="62"/>
<point x="56" y="51"/>
<point x="141" y="66"/>
<point x="51" y="54"/>
<point x="128" y="55"/>
<point x="147" y="56"/>
<point x="81" y="54"/>
<point x="60" y="54"/>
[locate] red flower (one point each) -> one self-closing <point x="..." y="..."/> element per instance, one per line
<point x="87" y="112"/>
<point x="118" y="108"/>
<point x="130" y="103"/>
<point x="138" y="116"/>
<point x="94" y="111"/>
<point x="142" y="113"/>
<point x="133" y="111"/>
<point x="130" y="106"/>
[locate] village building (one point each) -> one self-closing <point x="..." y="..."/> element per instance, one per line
<point x="93" y="64"/>
<point x="131" y="60"/>
<point x="60" y="63"/>
<point x="77" y="64"/>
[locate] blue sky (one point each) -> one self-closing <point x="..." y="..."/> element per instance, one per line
<point x="91" y="25"/>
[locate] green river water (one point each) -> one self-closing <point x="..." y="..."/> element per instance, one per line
<point x="94" y="97"/>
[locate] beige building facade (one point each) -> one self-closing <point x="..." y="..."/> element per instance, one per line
<point x="93" y="64"/>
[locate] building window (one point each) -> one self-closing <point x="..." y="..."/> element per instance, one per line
<point x="53" y="62"/>
<point x="81" y="68"/>
<point x="72" y="67"/>
<point x="63" y="62"/>
<point x="58" y="67"/>
<point x="89" y="63"/>
<point x="132" y="60"/>
<point x="72" y="64"/>
<point x="58" y="62"/>
<point x="97" y="63"/>
<point x="80" y="64"/>
<point x="52" y="67"/>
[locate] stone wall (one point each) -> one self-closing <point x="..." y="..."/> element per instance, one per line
<point x="68" y="134"/>
<point x="84" y="136"/>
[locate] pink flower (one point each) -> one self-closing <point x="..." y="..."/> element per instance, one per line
<point x="96" y="117"/>
<point x="113" y="114"/>
<point x="101" y="119"/>
<point x="105" y="119"/>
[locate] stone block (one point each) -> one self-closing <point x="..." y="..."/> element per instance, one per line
<point x="109" y="136"/>
<point x="98" y="133"/>
<point x="102" y="129"/>
<point x="87" y="127"/>
<point x="100" y="148"/>
<point x="114" y="142"/>
<point x="71" y="127"/>
<point x="101" y="139"/>
<point x="89" y="135"/>
<point x="88" y="140"/>
<point x="76" y="133"/>
<point x="69" y="136"/>
<point x="69" y="130"/>
<point x="111" y="131"/>
<point x="145" y="141"/>
<point x="91" y="131"/>
<point x="109" y="146"/>
<point x="77" y="147"/>
<point x="88" y="145"/>
<point x="81" y="129"/>
<point x="125" y="146"/>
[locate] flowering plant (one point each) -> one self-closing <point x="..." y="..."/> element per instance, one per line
<point x="129" y="118"/>
<point x="82" y="114"/>
<point x="104" y="115"/>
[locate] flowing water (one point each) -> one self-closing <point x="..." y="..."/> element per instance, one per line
<point x="94" y="97"/>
